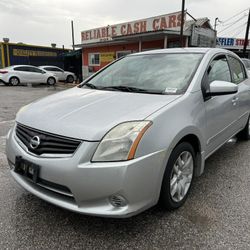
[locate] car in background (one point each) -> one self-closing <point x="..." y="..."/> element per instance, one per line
<point x="247" y="64"/>
<point x="23" y="74"/>
<point x="62" y="75"/>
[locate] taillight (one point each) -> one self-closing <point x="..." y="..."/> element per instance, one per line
<point x="3" y="72"/>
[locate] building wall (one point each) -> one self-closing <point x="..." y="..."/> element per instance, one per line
<point x="14" y="54"/>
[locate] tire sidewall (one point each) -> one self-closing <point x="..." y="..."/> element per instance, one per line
<point x="53" y="80"/>
<point x="14" y="77"/>
<point x="70" y="77"/>
<point x="165" y="196"/>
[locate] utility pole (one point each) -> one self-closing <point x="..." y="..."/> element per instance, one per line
<point x="182" y="22"/>
<point x="246" y="36"/>
<point x="73" y="36"/>
<point x="215" y="22"/>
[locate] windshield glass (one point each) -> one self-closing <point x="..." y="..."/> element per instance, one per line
<point x="161" y="73"/>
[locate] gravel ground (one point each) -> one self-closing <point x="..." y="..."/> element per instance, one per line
<point x="215" y="216"/>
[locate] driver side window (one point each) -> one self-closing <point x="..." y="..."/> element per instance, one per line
<point x="219" y="70"/>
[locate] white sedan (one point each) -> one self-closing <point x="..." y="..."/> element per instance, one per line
<point x="19" y="74"/>
<point x="62" y="75"/>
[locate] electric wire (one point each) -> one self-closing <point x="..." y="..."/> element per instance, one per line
<point x="237" y="21"/>
<point x="235" y="15"/>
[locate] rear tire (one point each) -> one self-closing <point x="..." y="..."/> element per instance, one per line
<point x="70" y="79"/>
<point x="51" y="81"/>
<point x="14" y="81"/>
<point x="178" y="176"/>
<point x="245" y="133"/>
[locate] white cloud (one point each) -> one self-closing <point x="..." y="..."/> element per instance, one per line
<point x="46" y="21"/>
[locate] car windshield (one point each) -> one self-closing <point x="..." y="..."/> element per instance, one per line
<point x="149" y="73"/>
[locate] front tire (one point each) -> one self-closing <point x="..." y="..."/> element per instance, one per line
<point x="14" y="81"/>
<point x="70" y="79"/>
<point x="245" y="133"/>
<point x="178" y="176"/>
<point x="51" y="81"/>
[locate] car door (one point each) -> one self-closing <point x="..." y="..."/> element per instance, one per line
<point x="58" y="73"/>
<point x="239" y="77"/>
<point x="221" y="111"/>
<point x="37" y="75"/>
<point x="23" y="73"/>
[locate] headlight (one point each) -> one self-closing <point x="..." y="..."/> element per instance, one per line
<point x="121" y="142"/>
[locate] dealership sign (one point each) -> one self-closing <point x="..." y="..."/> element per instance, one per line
<point x="163" y="22"/>
<point x="231" y="42"/>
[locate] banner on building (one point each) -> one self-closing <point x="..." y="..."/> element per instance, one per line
<point x="107" y="57"/>
<point x="231" y="42"/>
<point x="163" y="22"/>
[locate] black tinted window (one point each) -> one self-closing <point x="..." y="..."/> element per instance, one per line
<point x="237" y="69"/>
<point x="54" y="69"/>
<point x="35" y="70"/>
<point x="219" y="70"/>
<point x="22" y="68"/>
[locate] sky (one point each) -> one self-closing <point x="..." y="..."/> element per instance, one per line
<point x="43" y="22"/>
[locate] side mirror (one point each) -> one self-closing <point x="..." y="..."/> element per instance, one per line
<point x="43" y="72"/>
<point x="222" y="88"/>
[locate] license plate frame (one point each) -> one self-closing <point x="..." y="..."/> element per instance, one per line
<point x="27" y="169"/>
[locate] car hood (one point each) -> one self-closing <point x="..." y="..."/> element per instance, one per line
<point x="89" y="114"/>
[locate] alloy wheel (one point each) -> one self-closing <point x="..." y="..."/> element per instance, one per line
<point x="14" y="81"/>
<point x="181" y="176"/>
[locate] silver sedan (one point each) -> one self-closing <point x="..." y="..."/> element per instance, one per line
<point x="133" y="134"/>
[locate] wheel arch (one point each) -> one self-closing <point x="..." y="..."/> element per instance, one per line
<point x="51" y="77"/>
<point x="11" y="76"/>
<point x="195" y="139"/>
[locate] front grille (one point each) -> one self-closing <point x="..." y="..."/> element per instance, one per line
<point x="48" y="144"/>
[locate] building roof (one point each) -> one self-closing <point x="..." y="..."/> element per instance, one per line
<point x="200" y="22"/>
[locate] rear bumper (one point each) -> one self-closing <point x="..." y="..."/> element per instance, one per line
<point x="92" y="185"/>
<point x="3" y="79"/>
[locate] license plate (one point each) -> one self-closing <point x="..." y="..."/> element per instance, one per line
<point x="26" y="168"/>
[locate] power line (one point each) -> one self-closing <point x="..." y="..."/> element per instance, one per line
<point x="234" y="15"/>
<point x="231" y="25"/>
<point x="236" y="20"/>
<point x="238" y="31"/>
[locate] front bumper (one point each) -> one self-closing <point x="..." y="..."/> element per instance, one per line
<point x="91" y="185"/>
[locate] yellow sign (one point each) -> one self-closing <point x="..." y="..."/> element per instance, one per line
<point x="24" y="52"/>
<point x="107" y="57"/>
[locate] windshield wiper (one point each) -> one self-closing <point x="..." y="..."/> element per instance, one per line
<point x="131" y="89"/>
<point x="90" y="85"/>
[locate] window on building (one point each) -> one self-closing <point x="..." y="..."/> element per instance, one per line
<point x="237" y="70"/>
<point x="94" y="59"/>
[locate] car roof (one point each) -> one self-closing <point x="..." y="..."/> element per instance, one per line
<point x="20" y="65"/>
<point x="182" y="50"/>
<point x="49" y="66"/>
